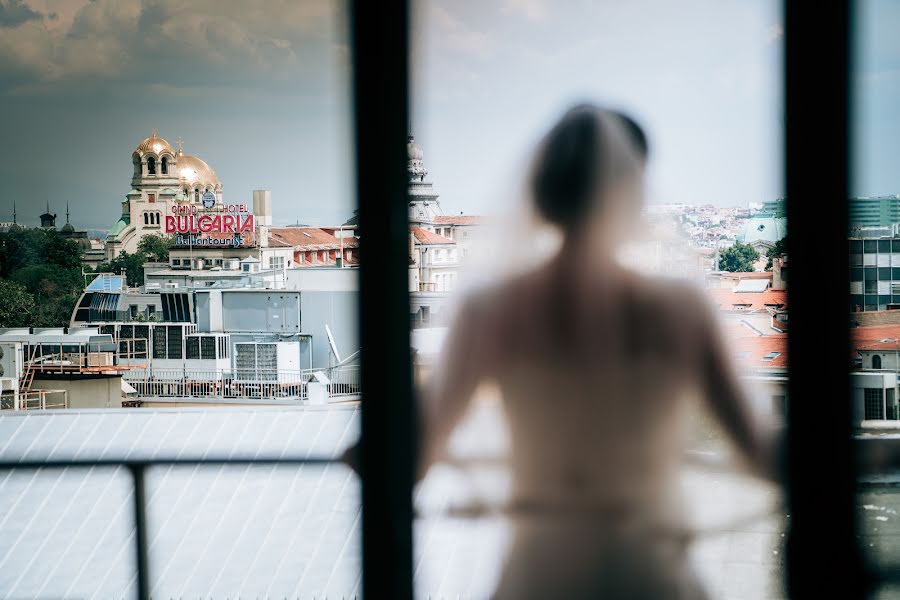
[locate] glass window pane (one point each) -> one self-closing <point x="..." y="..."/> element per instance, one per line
<point x="691" y="126"/>
<point x="875" y="128"/>
<point x="189" y="153"/>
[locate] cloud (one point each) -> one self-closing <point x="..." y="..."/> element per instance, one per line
<point x="455" y="35"/>
<point x="16" y="12"/>
<point x="218" y="43"/>
<point x="532" y="10"/>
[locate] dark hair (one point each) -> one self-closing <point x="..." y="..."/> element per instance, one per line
<point x="564" y="176"/>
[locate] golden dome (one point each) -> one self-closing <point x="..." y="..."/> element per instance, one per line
<point x="193" y="170"/>
<point x="154" y="144"/>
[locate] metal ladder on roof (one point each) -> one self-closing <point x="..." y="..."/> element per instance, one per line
<point x="27" y="377"/>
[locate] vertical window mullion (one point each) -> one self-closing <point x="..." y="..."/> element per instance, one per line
<point x="380" y="41"/>
<point x="824" y="558"/>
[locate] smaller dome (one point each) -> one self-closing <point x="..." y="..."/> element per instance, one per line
<point x="193" y="170"/>
<point x="763" y="228"/>
<point x="67" y="228"/>
<point x="413" y="150"/>
<point x="154" y="144"/>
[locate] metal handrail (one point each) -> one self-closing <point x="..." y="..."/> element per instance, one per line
<point x="138" y="466"/>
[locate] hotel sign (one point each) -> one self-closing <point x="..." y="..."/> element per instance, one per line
<point x="220" y="225"/>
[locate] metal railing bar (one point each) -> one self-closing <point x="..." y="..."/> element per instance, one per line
<point x="132" y="463"/>
<point x="140" y="525"/>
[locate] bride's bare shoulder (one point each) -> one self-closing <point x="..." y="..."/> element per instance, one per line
<point x="669" y="296"/>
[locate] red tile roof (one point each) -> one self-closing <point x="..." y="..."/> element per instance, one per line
<point x="753" y="350"/>
<point x="311" y="238"/>
<point x="727" y="299"/>
<point x="430" y="238"/>
<point x="880" y="337"/>
<point x="459" y="220"/>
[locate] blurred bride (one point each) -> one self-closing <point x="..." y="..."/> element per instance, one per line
<point x="596" y="365"/>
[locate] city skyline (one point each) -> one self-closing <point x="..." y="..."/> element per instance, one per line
<point x="262" y="95"/>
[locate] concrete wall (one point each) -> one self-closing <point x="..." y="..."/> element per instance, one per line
<point x="103" y="391"/>
<point x="338" y="310"/>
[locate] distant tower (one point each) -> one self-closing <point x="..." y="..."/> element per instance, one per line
<point x="423" y="200"/>
<point x="68" y="228"/>
<point x="262" y="214"/>
<point x="14" y="212"/>
<point x="48" y="219"/>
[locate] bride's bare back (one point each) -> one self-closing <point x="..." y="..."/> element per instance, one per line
<point x="596" y="366"/>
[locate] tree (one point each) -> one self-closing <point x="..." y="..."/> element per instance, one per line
<point x="156" y="247"/>
<point x="779" y="249"/>
<point x="55" y="291"/>
<point x="738" y="258"/>
<point x="132" y="264"/>
<point x="25" y="247"/>
<point x="16" y="305"/>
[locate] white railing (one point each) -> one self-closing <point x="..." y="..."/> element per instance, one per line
<point x="211" y="384"/>
<point x="344" y="381"/>
<point x="35" y="400"/>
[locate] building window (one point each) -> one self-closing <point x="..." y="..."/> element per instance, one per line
<point x="196" y="194"/>
<point x="164" y="166"/>
<point x="176" y="262"/>
<point x="876" y="362"/>
<point x="873" y="409"/>
<point x="276" y="262"/>
<point x="151" y="166"/>
<point x="770" y="356"/>
<point x="151" y="197"/>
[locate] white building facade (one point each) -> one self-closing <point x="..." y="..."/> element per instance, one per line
<point x="162" y="178"/>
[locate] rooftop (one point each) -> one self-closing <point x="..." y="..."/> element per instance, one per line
<point x="430" y="238"/>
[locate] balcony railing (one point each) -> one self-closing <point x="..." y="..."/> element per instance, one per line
<point x="240" y="384"/>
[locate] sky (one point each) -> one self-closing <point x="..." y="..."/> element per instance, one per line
<point x="261" y="92"/>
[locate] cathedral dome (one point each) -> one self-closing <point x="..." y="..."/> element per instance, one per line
<point x="154" y="144"/>
<point x="193" y="170"/>
<point x="68" y="228"/>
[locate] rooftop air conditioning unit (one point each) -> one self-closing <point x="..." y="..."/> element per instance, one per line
<point x="11" y="360"/>
<point x="100" y="359"/>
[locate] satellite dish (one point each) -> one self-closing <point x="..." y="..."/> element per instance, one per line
<point x="331" y="343"/>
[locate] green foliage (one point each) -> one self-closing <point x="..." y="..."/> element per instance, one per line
<point x="156" y="246"/>
<point x="40" y="275"/>
<point x="132" y="264"/>
<point x="25" y="247"/>
<point x="779" y="249"/>
<point x="16" y="305"/>
<point x="738" y="258"/>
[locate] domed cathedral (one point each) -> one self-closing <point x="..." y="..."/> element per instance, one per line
<point x="162" y="177"/>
